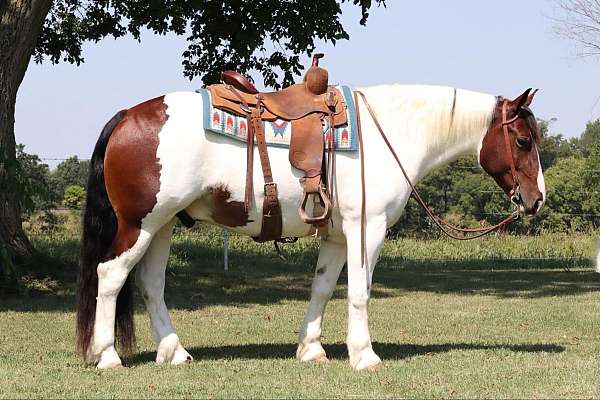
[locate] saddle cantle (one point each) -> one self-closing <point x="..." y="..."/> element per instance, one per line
<point x="309" y="106"/>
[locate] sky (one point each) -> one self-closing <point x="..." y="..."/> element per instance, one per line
<point x="499" y="48"/>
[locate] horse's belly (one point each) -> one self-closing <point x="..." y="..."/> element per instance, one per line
<point x="206" y="173"/>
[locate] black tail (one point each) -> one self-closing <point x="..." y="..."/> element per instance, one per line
<point x="99" y="230"/>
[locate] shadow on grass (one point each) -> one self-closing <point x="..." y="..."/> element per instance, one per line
<point x="387" y="351"/>
<point x="466" y="280"/>
<point x="195" y="278"/>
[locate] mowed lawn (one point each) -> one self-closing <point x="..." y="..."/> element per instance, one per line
<point x="448" y="319"/>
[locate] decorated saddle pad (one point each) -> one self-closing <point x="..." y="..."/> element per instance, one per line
<point x="277" y="133"/>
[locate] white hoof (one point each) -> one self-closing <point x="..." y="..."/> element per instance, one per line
<point x="181" y="356"/>
<point x="368" y="360"/>
<point x="598" y="262"/>
<point x="311" y="352"/>
<point x="109" y="359"/>
<point x="171" y="351"/>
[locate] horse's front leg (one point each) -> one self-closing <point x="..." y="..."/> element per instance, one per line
<point x="598" y="262"/>
<point x="331" y="260"/>
<point x="359" y="289"/>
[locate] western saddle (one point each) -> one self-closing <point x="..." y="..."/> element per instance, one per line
<point x="309" y="107"/>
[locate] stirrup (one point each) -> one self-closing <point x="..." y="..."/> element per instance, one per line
<point x="326" y="204"/>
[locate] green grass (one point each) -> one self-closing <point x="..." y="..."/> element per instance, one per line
<point x="449" y="320"/>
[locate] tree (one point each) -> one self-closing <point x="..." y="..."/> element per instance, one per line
<point x="74" y="197"/>
<point x="590" y="138"/>
<point x="581" y="23"/>
<point x="554" y="147"/>
<point x="30" y="190"/>
<point x="33" y="177"/>
<point x="568" y="207"/>
<point x="221" y="35"/>
<point x="21" y="24"/>
<point x="71" y="172"/>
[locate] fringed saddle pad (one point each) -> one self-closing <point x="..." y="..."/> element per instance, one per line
<point x="278" y="132"/>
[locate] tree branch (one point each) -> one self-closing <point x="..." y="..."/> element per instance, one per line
<point x="580" y="23"/>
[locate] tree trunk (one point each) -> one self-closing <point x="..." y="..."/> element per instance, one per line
<point x="20" y="25"/>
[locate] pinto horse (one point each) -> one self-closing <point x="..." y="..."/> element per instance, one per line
<point x="155" y="159"/>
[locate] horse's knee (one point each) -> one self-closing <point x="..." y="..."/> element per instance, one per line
<point x="322" y="289"/>
<point x="358" y="299"/>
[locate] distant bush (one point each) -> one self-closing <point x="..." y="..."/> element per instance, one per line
<point x="74" y="197"/>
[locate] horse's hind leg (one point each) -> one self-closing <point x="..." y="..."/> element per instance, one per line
<point x="150" y="278"/>
<point x="331" y="260"/>
<point x="130" y="244"/>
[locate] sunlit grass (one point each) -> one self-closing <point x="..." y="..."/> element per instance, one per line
<point x="503" y="317"/>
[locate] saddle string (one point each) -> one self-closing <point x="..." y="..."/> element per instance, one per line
<point x="445" y="226"/>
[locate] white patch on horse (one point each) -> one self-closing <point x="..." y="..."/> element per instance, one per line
<point x="541" y="182"/>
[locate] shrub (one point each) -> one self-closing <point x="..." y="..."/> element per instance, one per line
<point x="74" y="197"/>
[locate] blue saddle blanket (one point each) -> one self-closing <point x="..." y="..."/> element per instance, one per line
<point x="277" y="133"/>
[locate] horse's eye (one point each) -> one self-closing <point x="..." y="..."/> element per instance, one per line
<point x="523" y="142"/>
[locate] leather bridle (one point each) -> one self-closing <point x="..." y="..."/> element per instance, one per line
<point x="447" y="228"/>
<point x="515" y="192"/>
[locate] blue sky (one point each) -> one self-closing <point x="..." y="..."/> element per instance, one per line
<point x="487" y="46"/>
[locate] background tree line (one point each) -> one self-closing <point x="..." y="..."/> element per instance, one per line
<point x="461" y="191"/>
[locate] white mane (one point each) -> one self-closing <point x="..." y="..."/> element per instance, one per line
<point x="444" y="119"/>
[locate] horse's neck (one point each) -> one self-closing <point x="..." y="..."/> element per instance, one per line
<point x="431" y="126"/>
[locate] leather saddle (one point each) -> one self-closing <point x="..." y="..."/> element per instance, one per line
<point x="309" y="106"/>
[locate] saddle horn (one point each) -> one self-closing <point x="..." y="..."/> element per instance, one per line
<point x="315" y="59"/>
<point x="316" y="78"/>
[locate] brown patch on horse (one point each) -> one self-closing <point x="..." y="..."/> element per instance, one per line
<point x="131" y="169"/>
<point x="524" y="135"/>
<point x="224" y="211"/>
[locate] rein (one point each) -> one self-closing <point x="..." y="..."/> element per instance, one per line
<point x="446" y="227"/>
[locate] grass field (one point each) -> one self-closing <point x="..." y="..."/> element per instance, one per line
<point x="449" y="320"/>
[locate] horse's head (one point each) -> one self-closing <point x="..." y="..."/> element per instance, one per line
<point x="509" y="153"/>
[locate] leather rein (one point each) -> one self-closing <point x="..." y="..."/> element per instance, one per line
<point x="446" y="227"/>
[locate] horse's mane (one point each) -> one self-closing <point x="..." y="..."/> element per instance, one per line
<point x="443" y="114"/>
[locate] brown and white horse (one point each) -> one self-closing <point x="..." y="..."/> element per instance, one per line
<point x="155" y="160"/>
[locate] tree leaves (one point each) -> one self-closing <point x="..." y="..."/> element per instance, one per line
<point x="262" y="35"/>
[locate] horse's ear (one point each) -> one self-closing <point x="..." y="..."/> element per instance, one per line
<point x="521" y="100"/>
<point x="530" y="97"/>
